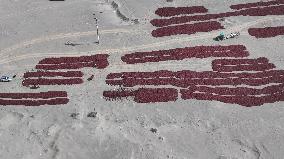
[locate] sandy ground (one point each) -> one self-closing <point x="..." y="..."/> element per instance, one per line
<point x="31" y="30"/>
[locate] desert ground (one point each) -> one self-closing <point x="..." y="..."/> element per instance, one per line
<point x="90" y="126"/>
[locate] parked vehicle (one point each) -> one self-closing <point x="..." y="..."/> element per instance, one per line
<point x="222" y="36"/>
<point x="91" y="78"/>
<point x="34" y="87"/>
<point x="5" y="79"/>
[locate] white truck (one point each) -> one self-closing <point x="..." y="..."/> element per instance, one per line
<point x="5" y="79"/>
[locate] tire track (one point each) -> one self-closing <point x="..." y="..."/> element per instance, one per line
<point x="5" y="60"/>
<point x="65" y="35"/>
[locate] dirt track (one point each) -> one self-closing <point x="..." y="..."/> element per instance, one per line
<point x="6" y="59"/>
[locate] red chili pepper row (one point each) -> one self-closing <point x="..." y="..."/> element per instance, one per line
<point x="173" y="11"/>
<point x="43" y="81"/>
<point x="270" y="10"/>
<point x="53" y="74"/>
<point x="44" y="95"/>
<point x="266" y="32"/>
<point x="187" y="52"/>
<point x="55" y="101"/>
<point x="256" y="4"/>
<point x="187" y="29"/>
<point x="145" y="95"/>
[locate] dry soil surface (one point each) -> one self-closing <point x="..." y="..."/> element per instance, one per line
<point x="186" y="129"/>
